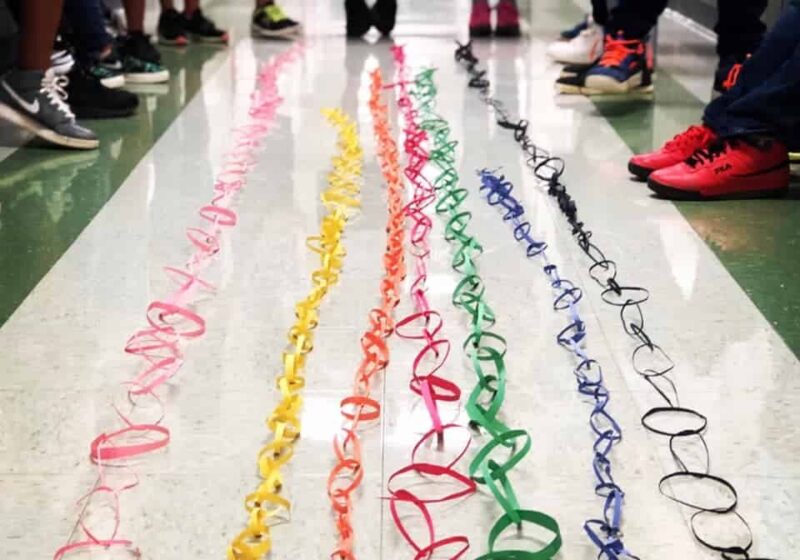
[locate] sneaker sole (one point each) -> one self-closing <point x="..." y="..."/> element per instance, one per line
<point x="45" y="133"/>
<point x="480" y="32"/>
<point x="209" y="40"/>
<point x="288" y="33"/>
<point x="639" y="172"/>
<point x="147" y="77"/>
<point x="603" y="84"/>
<point x="177" y="42"/>
<point x="113" y="82"/>
<point x="671" y="193"/>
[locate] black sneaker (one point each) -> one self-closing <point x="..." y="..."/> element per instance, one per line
<point x="270" y="22"/>
<point x="359" y="18"/>
<point x="203" y="30"/>
<point x="36" y="101"/>
<point x="384" y="14"/>
<point x="141" y="62"/>
<point x="108" y="70"/>
<point x="172" y="28"/>
<point x="91" y="100"/>
<point x="138" y="45"/>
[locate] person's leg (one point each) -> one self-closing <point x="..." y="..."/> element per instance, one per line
<point x="739" y="27"/>
<point x="40" y="19"/>
<point x="635" y="18"/>
<point x="600" y="12"/>
<point x="480" y="19"/>
<point x="507" y="19"/>
<point x="31" y="95"/>
<point x="778" y="46"/>
<point x="85" y="17"/>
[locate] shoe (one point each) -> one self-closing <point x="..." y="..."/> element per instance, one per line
<point x="359" y="18"/>
<point x="747" y="167"/>
<point x="108" y="70"/>
<point x="138" y="45"/>
<point x="36" y="101"/>
<point x="673" y="152"/>
<point x="507" y="19"/>
<point x="384" y="14"/>
<point x="270" y="22"/>
<point x="480" y="19"/>
<point x="137" y="71"/>
<point x="172" y="28"/>
<point x="90" y="99"/>
<point x="202" y="30"/>
<point x="569" y="34"/>
<point x="727" y="74"/>
<point x="61" y="61"/>
<point x="586" y="48"/>
<point x="794" y="157"/>
<point x="575" y="69"/>
<point x="623" y="68"/>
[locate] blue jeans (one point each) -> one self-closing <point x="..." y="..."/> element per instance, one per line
<point x="766" y="98"/>
<point x="89" y="34"/>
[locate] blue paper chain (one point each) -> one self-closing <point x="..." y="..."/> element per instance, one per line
<point x="605" y="533"/>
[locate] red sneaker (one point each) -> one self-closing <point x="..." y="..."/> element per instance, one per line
<point x="731" y="168"/>
<point x="507" y="19"/>
<point x="675" y="151"/>
<point x="480" y="19"/>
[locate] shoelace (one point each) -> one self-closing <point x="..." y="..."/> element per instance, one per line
<point x="686" y="440"/>
<point x="615" y="49"/>
<point x="506" y="447"/>
<point x="692" y="136"/>
<point x="708" y="155"/>
<point x="54" y="88"/>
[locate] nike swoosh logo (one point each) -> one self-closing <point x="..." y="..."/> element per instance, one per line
<point x="32" y="108"/>
<point x="113" y="65"/>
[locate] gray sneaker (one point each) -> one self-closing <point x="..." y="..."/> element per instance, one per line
<point x="36" y="101"/>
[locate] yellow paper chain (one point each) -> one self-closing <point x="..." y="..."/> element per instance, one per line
<point x="340" y="198"/>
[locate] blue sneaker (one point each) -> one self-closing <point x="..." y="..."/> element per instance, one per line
<point x="623" y="68"/>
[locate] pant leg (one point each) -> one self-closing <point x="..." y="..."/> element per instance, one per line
<point x="635" y="18"/>
<point x="600" y="12"/>
<point x="767" y="97"/>
<point x="88" y="25"/>
<point x="739" y="26"/>
<point x="777" y="47"/>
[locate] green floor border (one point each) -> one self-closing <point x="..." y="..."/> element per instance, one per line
<point x="757" y="241"/>
<point x="48" y="196"/>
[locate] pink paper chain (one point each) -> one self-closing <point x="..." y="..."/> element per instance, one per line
<point x="172" y="321"/>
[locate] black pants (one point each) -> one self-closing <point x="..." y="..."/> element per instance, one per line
<point x="739" y="24"/>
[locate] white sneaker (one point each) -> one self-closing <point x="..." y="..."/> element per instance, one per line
<point x="583" y="49"/>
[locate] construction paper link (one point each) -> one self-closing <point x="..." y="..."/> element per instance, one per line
<point x="485" y="349"/>
<point x="265" y="505"/>
<point x="605" y="532"/>
<point x="348" y="471"/>
<point x="425" y="325"/>
<point x="170" y="322"/>
<point x="686" y="441"/>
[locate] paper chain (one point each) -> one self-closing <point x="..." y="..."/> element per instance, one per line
<point x="171" y="322"/>
<point x="484" y="348"/>
<point x="342" y="195"/>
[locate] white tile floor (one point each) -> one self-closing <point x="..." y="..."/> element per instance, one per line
<point x="62" y="352"/>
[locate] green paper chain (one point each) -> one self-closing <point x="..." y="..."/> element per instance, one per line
<point x="485" y="349"/>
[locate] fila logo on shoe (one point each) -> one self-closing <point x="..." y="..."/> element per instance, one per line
<point x="32" y="108"/>
<point x="723" y="168"/>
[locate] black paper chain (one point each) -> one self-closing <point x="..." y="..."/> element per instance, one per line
<point x="648" y="358"/>
<point x="605" y="533"/>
